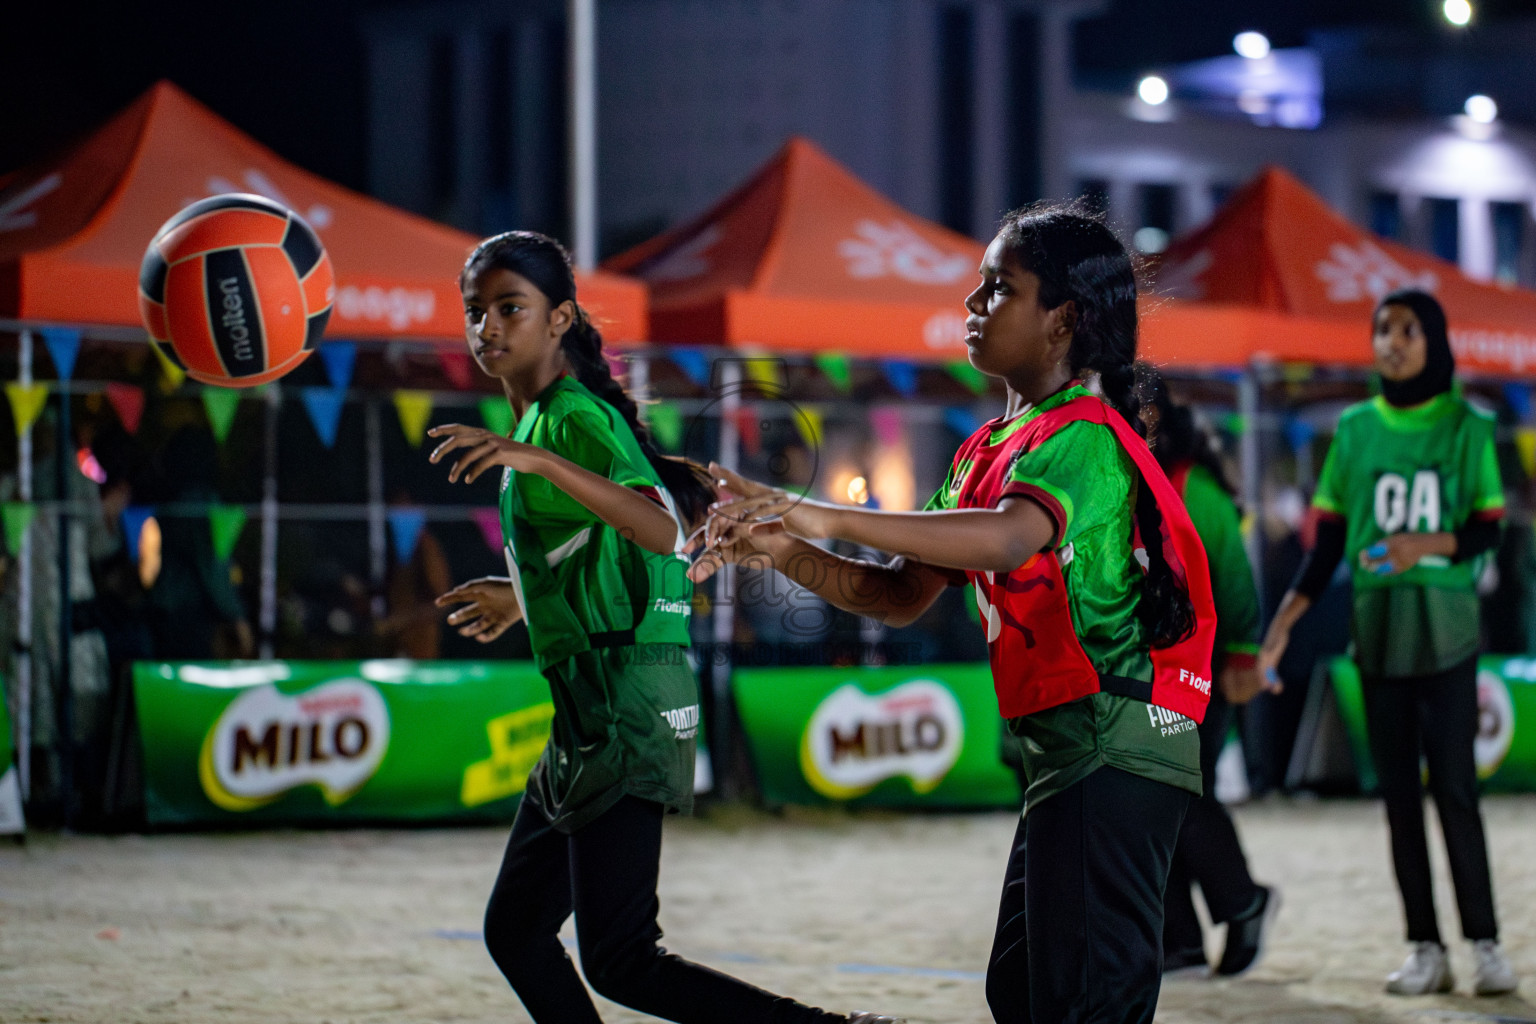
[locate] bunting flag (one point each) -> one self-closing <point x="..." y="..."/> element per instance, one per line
<point x="965" y="373"/>
<point x="1298" y="433"/>
<point x="809" y="422"/>
<point x="405" y="525"/>
<point x="1525" y="444"/>
<point x="838" y="369"/>
<point x="63" y="346"/>
<point x="1235" y="424"/>
<point x="1291" y="373"/>
<point x="764" y="370"/>
<point x="324" y="408"/>
<point x="750" y="430"/>
<point x="457" y="368"/>
<point x="17" y="515"/>
<point x="414" y="408"/>
<point x="128" y="402"/>
<point x="27" y="401"/>
<point x="226" y="522"/>
<point x="133" y="519"/>
<point x="220" y="405"/>
<point x="888" y="425"/>
<point x="694" y="364"/>
<point x="489" y="521"/>
<point x="902" y="376"/>
<point x="666" y="422"/>
<point x="496" y="414"/>
<point x="961" y="420"/>
<point x="171" y="375"/>
<point x="1518" y="397"/>
<point x="339" y="358"/>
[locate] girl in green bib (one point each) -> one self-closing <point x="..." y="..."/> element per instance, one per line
<point x="592" y="518"/>
<point x="1410" y="495"/>
<point x="1100" y="641"/>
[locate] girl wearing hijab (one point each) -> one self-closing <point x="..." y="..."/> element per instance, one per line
<point x="1410" y="494"/>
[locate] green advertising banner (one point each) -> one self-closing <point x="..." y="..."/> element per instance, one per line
<point x="310" y="742"/>
<point x="1505" y="745"/>
<point x="891" y="737"/>
<point x="11" y="821"/>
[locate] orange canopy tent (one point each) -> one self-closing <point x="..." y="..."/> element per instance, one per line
<point x="1278" y="274"/>
<point x="805" y="257"/>
<point x="72" y="231"/>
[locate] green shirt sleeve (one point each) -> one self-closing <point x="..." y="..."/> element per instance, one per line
<point x="1329" y="496"/>
<point x="1053" y="475"/>
<point x="1488" y="497"/>
<point x="1215" y="516"/>
<point x="585" y="438"/>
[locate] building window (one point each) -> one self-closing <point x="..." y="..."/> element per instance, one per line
<point x="1386" y="215"/>
<point x="1157" y="202"/>
<point x="1094" y="193"/>
<point x="442" y="131"/>
<point x="1508" y="241"/>
<point x="1444" y="228"/>
<point x="957" y="103"/>
<point x="1024" y="177"/>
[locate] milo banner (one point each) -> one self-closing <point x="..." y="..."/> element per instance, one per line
<point x="893" y="737"/>
<point x="1505" y="745"/>
<point x="292" y="742"/>
<point x="11" y="821"/>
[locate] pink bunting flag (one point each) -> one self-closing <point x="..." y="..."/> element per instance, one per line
<point x="128" y="402"/>
<point x="749" y="430"/>
<point x="489" y="521"/>
<point x="887" y="424"/>
<point x="457" y="368"/>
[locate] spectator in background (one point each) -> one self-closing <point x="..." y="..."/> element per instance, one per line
<point x="412" y="625"/>
<point x="195" y="612"/>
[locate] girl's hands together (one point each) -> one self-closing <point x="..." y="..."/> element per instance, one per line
<point x="483" y="450"/>
<point x="752" y="504"/>
<point x="1397" y="553"/>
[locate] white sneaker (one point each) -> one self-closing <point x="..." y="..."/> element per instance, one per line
<point x="1493" y="976"/>
<point x="1426" y="970"/>
<point x="865" y="1017"/>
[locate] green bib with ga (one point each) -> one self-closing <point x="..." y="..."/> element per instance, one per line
<point x="1427" y="469"/>
<point x="581" y="584"/>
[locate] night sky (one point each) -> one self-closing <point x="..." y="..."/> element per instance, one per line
<point x="289" y="72"/>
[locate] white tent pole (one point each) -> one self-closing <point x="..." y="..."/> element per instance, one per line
<point x="583" y="141"/>
<point x="268" y="612"/>
<point x="723" y="614"/>
<point x="23" y="709"/>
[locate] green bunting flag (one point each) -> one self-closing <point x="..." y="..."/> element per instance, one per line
<point x="496" y="413"/>
<point x="965" y="373"/>
<point x="666" y="423"/>
<point x="220" y="405"/>
<point x="18" y="516"/>
<point x="226" y="522"/>
<point x="838" y="369"/>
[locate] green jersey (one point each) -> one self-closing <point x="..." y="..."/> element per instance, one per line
<point x="1237" y="599"/>
<point x="608" y="621"/>
<point x="1093" y="513"/>
<point x="1427" y="469"/>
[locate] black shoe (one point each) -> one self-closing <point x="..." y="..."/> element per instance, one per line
<point x="1186" y="961"/>
<point x="1246" y="934"/>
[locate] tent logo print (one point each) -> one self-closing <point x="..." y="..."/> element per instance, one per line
<point x="13" y="213"/>
<point x="318" y="216"/>
<point x="894" y="249"/>
<point x="1366" y="272"/>
<point x="687" y="261"/>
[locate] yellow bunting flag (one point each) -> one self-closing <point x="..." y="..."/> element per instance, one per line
<point x="226" y="522"/>
<point x="414" y="408"/>
<point x="171" y="374"/>
<point x="220" y="404"/>
<point x="1525" y="444"/>
<point x="808" y="422"/>
<point x="764" y="370"/>
<point x="27" y="401"/>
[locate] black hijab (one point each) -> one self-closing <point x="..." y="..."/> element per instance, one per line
<point x="1439" y="364"/>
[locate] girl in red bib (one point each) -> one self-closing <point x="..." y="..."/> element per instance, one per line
<point x="1094" y="593"/>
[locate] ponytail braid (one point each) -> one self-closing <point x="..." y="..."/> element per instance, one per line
<point x="545" y="263"/>
<point x="1078" y="259"/>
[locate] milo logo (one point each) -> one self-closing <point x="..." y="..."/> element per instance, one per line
<point x="1495" y="723"/>
<point x="266" y="743"/>
<point x="855" y="740"/>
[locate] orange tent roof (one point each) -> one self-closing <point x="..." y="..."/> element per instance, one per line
<point x="1277" y="273"/>
<point x="72" y="231"/>
<point x="805" y="257"/>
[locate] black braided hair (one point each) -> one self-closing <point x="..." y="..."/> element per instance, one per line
<point x="546" y="264"/>
<point x="1181" y="437"/>
<point x="1078" y="259"/>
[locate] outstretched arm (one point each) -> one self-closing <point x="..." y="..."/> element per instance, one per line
<point x="636" y="516"/>
<point x="978" y="539"/>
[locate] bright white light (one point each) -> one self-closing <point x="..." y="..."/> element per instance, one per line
<point x="1482" y="109"/>
<point x="1153" y="90"/>
<point x="858" y="491"/>
<point x="1150" y="240"/>
<point x="1457" y="12"/>
<point x="1253" y="45"/>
